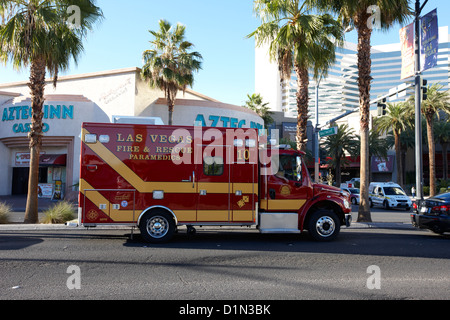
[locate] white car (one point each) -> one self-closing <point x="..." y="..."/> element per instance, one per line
<point x="388" y="195"/>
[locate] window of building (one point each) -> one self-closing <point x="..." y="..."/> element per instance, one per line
<point x="43" y="175"/>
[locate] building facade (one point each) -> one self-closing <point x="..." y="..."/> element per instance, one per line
<point x="387" y="63"/>
<point x="94" y="97"/>
<point x="338" y="91"/>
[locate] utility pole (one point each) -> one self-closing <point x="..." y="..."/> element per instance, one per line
<point x="317" y="139"/>
<point x="418" y="103"/>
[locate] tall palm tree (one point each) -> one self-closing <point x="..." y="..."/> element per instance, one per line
<point x="442" y="135"/>
<point x="438" y="100"/>
<point x="396" y="120"/>
<point x="168" y="65"/>
<point x="378" y="146"/>
<point x="38" y="35"/>
<point x="255" y="103"/>
<point x="407" y="141"/>
<point x="337" y="146"/>
<point x="357" y="14"/>
<point x="301" y="41"/>
<point x="5" y="11"/>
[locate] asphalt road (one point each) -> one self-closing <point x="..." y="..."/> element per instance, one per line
<point x="363" y="264"/>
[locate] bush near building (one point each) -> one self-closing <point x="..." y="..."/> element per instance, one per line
<point x="59" y="213"/>
<point x="5" y="210"/>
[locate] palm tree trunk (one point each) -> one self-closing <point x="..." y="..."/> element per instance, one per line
<point x="444" y="160"/>
<point x="364" y="206"/>
<point x="338" y="171"/>
<point x="302" y="106"/>
<point x="37" y="86"/>
<point x="171" y="93"/>
<point x="364" y="80"/>
<point x="404" y="149"/>
<point x="432" y="155"/>
<point x="170" y="114"/>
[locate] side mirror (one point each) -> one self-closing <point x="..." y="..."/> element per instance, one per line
<point x="299" y="168"/>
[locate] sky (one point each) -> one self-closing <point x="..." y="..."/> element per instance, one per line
<point x="217" y="28"/>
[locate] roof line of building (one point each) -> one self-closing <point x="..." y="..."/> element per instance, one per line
<point x="93" y="75"/>
<point x="10" y="94"/>
<point x="206" y="103"/>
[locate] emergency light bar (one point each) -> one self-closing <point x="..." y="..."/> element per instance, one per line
<point x="90" y="138"/>
<point x="104" y="138"/>
<point x="250" y="143"/>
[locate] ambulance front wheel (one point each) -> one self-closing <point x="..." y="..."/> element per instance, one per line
<point x="157" y="226"/>
<point x="324" y="225"/>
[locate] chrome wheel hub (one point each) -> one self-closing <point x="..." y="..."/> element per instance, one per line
<point x="325" y="226"/>
<point x="157" y="227"/>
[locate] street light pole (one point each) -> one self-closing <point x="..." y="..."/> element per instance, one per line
<point x="317" y="140"/>
<point x="418" y="102"/>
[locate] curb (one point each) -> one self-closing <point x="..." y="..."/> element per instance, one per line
<point x="381" y="225"/>
<point x="56" y="227"/>
<point x="74" y="226"/>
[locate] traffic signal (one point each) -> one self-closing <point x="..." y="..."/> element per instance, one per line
<point x="381" y="107"/>
<point x="424" y="89"/>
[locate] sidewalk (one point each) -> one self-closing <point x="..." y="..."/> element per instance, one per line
<point x="18" y="203"/>
<point x="17" y="216"/>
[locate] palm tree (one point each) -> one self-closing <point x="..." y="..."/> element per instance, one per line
<point x="407" y="141"/>
<point x="338" y="145"/>
<point x="378" y="146"/>
<point x="38" y="35"/>
<point x="255" y="103"/>
<point x="357" y="14"/>
<point x="438" y="100"/>
<point x="300" y="41"/>
<point x="169" y="66"/>
<point x="5" y="11"/>
<point x="396" y="119"/>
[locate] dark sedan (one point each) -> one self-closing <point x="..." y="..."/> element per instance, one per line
<point x="432" y="213"/>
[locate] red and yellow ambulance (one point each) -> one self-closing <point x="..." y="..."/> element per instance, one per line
<point x="159" y="177"/>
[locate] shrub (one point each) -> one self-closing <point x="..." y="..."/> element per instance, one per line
<point x="442" y="184"/>
<point x="59" y="213"/>
<point x="443" y="190"/>
<point x="5" y="210"/>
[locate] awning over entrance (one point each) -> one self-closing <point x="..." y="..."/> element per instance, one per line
<point x="52" y="160"/>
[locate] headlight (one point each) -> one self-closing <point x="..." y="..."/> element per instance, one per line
<point x="346" y="204"/>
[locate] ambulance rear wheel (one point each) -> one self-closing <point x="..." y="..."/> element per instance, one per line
<point x="157" y="226"/>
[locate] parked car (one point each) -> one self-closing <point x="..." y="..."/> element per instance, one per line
<point x="432" y="213"/>
<point x="352" y="183"/>
<point x="388" y="195"/>
<point x="354" y="194"/>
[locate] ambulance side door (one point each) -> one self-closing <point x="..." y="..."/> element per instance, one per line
<point x="212" y="179"/>
<point x="244" y="186"/>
